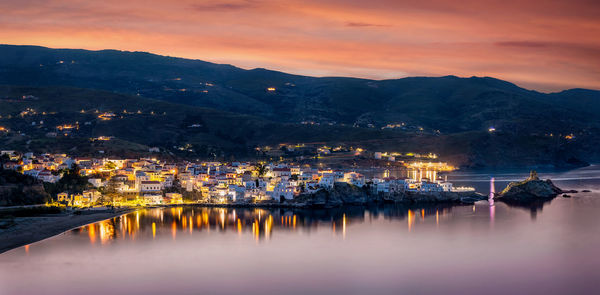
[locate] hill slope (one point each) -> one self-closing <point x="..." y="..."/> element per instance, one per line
<point x="449" y="104"/>
<point x="236" y="111"/>
<point x="39" y="119"/>
<point x="65" y="118"/>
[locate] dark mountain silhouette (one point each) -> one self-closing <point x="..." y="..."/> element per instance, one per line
<point x="428" y="112"/>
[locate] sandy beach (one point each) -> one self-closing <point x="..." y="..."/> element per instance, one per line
<point x="27" y="230"/>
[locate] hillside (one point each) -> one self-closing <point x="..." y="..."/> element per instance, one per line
<point x="65" y="119"/>
<point x="236" y="111"/>
<point x="68" y="119"/>
<point x="449" y="104"/>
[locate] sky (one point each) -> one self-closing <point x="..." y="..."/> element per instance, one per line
<point x="546" y="45"/>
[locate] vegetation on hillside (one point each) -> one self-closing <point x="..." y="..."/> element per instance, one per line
<point x="71" y="182"/>
<point x="228" y="111"/>
<point x="18" y="189"/>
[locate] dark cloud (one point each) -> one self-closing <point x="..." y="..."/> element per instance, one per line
<point x="361" y="24"/>
<point x="591" y="51"/>
<point x="522" y="44"/>
<point x="225" y="6"/>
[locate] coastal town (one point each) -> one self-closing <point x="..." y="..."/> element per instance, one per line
<point x="152" y="181"/>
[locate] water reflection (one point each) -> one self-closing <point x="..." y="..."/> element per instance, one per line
<point x="377" y="249"/>
<point x="260" y="223"/>
<point x="534" y="206"/>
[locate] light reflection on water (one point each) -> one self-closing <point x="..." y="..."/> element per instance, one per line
<point x="260" y="223"/>
<point x="539" y="248"/>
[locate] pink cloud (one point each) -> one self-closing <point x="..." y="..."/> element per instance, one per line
<point x="547" y="45"/>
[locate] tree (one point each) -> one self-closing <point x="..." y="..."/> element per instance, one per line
<point x="175" y="188"/>
<point x="109" y="191"/>
<point x="70" y="182"/>
<point x="110" y="165"/>
<point x="261" y="169"/>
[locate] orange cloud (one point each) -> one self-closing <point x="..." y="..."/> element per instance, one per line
<point x="544" y="44"/>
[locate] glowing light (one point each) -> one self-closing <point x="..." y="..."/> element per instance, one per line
<point x="222" y="218"/>
<point x="92" y="233"/>
<point x="153" y="230"/>
<point x="411" y="220"/>
<point x="344" y="226"/>
<point x="492" y="215"/>
<point x="174" y="229"/>
<point x="106" y="231"/>
<point x="256" y="229"/>
<point x="268" y="226"/>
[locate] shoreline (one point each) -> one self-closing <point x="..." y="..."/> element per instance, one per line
<point x="28" y="230"/>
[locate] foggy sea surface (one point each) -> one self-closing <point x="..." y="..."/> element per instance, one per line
<point x="543" y="248"/>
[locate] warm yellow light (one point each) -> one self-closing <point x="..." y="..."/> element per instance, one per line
<point x="344" y="226"/>
<point x="174" y="230"/>
<point x="92" y="233"/>
<point x="411" y="219"/>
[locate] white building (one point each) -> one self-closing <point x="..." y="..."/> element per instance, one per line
<point x="282" y="190"/>
<point x="150" y="187"/>
<point x="153" y="199"/>
<point x="354" y="178"/>
<point x="47" y="176"/>
<point x="326" y="181"/>
<point x="96" y="182"/>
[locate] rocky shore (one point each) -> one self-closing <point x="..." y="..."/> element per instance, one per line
<point x="343" y="194"/>
<point x="347" y="194"/>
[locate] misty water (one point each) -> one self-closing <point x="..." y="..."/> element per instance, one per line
<point x="542" y="248"/>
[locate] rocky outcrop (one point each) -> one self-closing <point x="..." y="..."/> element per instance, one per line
<point x="531" y="188"/>
<point x="347" y="194"/>
<point x="433" y="197"/>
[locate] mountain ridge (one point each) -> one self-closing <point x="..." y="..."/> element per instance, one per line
<point x="434" y="107"/>
<point x="277" y="71"/>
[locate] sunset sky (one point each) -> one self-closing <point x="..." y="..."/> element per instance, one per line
<point x="546" y="45"/>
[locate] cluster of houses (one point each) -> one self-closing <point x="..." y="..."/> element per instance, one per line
<point x="152" y="181"/>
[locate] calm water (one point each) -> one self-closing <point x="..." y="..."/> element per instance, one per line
<point x="550" y="248"/>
